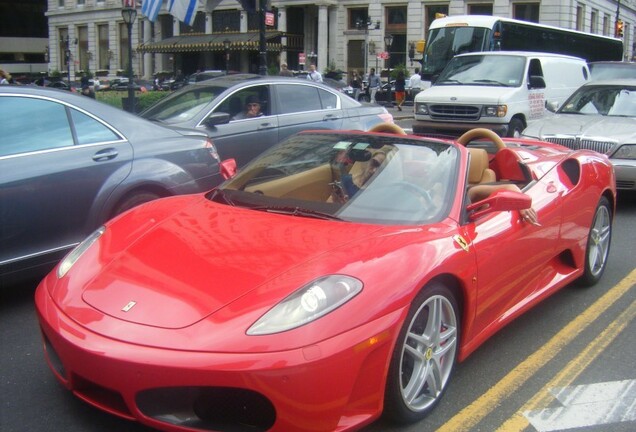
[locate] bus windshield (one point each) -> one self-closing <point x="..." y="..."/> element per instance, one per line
<point x="444" y="43"/>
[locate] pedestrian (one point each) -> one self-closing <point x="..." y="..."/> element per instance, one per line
<point x="5" y="78"/>
<point x="400" y="89"/>
<point x="284" y="71"/>
<point x="374" y="84"/>
<point x="86" y="91"/>
<point x="313" y="74"/>
<point x="416" y="82"/>
<point x="356" y="84"/>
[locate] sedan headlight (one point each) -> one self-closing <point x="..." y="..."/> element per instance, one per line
<point x="495" y="110"/>
<point x="421" y="108"/>
<point x="309" y="303"/>
<point x="76" y="253"/>
<point x="627" y="151"/>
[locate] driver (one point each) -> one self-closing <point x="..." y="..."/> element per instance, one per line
<point x="350" y="184"/>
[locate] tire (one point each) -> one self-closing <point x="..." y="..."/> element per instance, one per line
<point x="515" y="127"/>
<point x="424" y="356"/>
<point x="133" y="200"/>
<point x="598" y="244"/>
<point x="364" y="98"/>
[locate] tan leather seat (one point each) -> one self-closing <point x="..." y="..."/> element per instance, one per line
<point x="479" y="171"/>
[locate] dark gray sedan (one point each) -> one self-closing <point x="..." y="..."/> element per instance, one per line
<point x="287" y="106"/>
<point x="68" y="163"/>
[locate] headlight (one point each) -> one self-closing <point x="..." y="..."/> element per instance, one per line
<point x="76" y="253"/>
<point x="309" y="303"/>
<point x="495" y="110"/>
<point x="627" y="151"/>
<point x="421" y="108"/>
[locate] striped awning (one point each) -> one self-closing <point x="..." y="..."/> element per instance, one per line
<point x="213" y="42"/>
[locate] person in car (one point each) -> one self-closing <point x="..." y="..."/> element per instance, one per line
<point x="252" y="109"/>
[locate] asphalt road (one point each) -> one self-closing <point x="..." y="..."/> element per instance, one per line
<point x="580" y="340"/>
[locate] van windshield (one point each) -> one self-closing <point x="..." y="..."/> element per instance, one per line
<point x="484" y="70"/>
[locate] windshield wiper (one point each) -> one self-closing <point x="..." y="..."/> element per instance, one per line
<point x="297" y="211"/>
<point x="449" y="81"/>
<point x="487" y="81"/>
<point x="220" y="193"/>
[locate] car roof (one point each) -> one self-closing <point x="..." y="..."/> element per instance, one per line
<point x="612" y="82"/>
<point x="519" y="53"/>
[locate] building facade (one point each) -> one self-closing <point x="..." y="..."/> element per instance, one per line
<point x="90" y="35"/>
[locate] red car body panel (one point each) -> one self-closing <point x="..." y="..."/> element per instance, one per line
<point x="202" y="273"/>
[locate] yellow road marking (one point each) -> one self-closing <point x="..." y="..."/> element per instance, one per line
<point x="566" y="376"/>
<point x="481" y="407"/>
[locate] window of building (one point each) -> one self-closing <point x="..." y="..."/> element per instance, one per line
<point x="81" y="2"/>
<point x="226" y="20"/>
<point x="432" y="12"/>
<point x="356" y="55"/>
<point x="396" y="18"/>
<point x="103" y="50"/>
<point x="606" y="25"/>
<point x="580" y="17"/>
<point x="594" y="21"/>
<point x="357" y="18"/>
<point x="480" y="9"/>
<point x="60" y="3"/>
<point x="526" y="11"/>
<point x="82" y="37"/>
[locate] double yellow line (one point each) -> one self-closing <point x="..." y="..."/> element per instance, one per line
<point x="470" y="416"/>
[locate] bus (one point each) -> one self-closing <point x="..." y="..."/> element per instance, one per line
<point x="453" y="35"/>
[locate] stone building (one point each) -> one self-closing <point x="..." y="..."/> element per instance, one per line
<point x="340" y="34"/>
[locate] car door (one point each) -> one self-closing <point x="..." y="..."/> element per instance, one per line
<point x="243" y="139"/>
<point x="54" y="159"/>
<point x="306" y="106"/>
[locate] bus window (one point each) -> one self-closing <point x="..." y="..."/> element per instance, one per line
<point x="444" y="43"/>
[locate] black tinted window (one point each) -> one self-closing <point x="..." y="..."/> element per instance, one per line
<point x="298" y="98"/>
<point x="29" y="125"/>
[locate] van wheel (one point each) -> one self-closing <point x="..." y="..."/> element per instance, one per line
<point x="515" y="128"/>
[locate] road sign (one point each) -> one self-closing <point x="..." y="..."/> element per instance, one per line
<point x="301" y="58"/>
<point x="383" y="55"/>
<point x="269" y="19"/>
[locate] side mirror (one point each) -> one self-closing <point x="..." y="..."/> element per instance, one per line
<point x="552" y="106"/>
<point x="228" y="168"/>
<point x="536" y="82"/>
<point x="499" y="201"/>
<point x="217" y="118"/>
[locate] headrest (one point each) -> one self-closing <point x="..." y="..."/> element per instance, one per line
<point x="478" y="164"/>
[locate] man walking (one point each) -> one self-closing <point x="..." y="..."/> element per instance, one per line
<point x="374" y="84"/>
<point x="416" y="82"/>
<point x="314" y="75"/>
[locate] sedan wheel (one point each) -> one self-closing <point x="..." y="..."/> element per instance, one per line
<point x="598" y="244"/>
<point x="424" y="356"/>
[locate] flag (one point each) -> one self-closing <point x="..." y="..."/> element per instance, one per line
<point x="151" y="9"/>
<point x="185" y="10"/>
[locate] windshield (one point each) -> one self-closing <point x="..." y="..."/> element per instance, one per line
<point x="444" y="43"/>
<point x="487" y="70"/>
<point x="183" y="105"/>
<point x="349" y="177"/>
<point x="610" y="100"/>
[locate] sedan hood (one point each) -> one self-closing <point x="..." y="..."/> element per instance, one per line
<point x="205" y="257"/>
<point x="598" y="128"/>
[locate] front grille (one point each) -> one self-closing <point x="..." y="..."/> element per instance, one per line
<point x="455" y="112"/>
<point x="576" y="143"/>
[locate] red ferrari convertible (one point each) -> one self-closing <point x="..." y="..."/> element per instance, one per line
<point x="338" y="276"/>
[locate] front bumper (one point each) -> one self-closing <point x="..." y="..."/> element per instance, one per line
<point x="453" y="130"/>
<point x="335" y="385"/>
<point x="625" y="174"/>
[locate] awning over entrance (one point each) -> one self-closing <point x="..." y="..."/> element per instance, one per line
<point x="213" y="42"/>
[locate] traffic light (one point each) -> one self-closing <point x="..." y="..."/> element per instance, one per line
<point x="619" y="28"/>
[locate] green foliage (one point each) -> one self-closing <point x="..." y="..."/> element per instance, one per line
<point x="55" y="73"/>
<point x="144" y="100"/>
<point x="401" y="67"/>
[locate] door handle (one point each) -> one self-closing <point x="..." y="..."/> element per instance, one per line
<point x="263" y="126"/>
<point x="331" y="117"/>
<point x="106" y="154"/>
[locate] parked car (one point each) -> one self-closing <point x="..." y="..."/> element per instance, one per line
<point x="608" y="70"/>
<point x="385" y="97"/>
<point x="57" y="84"/>
<point x="275" y="304"/>
<point x="205" y="75"/>
<point x="600" y="116"/>
<point x="288" y="105"/>
<point x="500" y="90"/>
<point x="69" y="163"/>
<point x="121" y="84"/>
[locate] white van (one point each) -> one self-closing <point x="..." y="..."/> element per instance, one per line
<point x="502" y="91"/>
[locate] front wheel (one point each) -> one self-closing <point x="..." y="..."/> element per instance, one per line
<point x="515" y="127"/>
<point x="424" y="356"/>
<point x="598" y="244"/>
<point x="134" y="200"/>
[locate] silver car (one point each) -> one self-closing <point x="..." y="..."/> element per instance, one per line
<point x="68" y="163"/>
<point x="600" y="116"/>
<point x="288" y="105"/>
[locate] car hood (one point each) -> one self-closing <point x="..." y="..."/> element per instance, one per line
<point x="465" y="94"/>
<point x="593" y="127"/>
<point x="206" y="256"/>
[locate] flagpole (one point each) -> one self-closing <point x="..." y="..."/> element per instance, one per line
<point x="262" y="55"/>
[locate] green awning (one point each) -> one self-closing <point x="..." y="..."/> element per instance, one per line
<point x="213" y="42"/>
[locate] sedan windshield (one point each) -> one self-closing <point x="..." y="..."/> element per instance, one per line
<point x="349" y="177"/>
<point x="488" y="70"/>
<point x="607" y="100"/>
<point x="183" y="105"/>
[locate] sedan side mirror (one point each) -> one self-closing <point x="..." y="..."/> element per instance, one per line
<point x="228" y="168"/>
<point x="502" y="200"/>
<point x="217" y="118"/>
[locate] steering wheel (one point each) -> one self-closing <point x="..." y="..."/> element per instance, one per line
<point x="388" y="128"/>
<point x="482" y="133"/>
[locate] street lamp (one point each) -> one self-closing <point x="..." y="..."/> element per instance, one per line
<point x="226" y="45"/>
<point x="129" y="15"/>
<point x="388" y="41"/>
